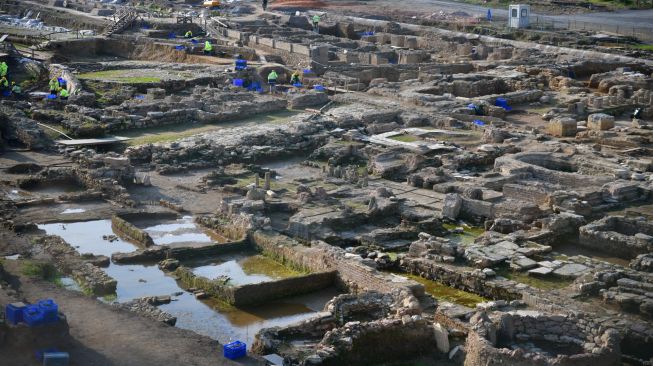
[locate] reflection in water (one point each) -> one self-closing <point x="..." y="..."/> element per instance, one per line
<point x="245" y="269"/>
<point x="72" y="211"/>
<point x="87" y="237"/>
<point x="183" y="230"/>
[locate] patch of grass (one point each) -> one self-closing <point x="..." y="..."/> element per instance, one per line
<point x="444" y="292"/>
<point x="405" y="138"/>
<point x="118" y="75"/>
<point x="543" y="283"/>
<point x="643" y="47"/>
<point x="110" y="297"/>
<point x="260" y="264"/>
<point x="41" y="270"/>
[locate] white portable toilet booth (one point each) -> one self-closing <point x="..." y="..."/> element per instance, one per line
<point x="518" y="16"/>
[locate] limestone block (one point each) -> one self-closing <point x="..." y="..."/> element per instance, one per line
<point x="452" y="205"/>
<point x="562" y="127"/>
<point x="397" y="40"/>
<point x="600" y="121"/>
<point x="441" y="337"/>
<point x="411" y="42"/>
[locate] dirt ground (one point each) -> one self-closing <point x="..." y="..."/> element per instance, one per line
<point x="133" y="339"/>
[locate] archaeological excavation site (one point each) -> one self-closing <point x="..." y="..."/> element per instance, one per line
<point x="378" y="182"/>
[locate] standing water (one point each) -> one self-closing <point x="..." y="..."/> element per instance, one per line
<point x="210" y="317"/>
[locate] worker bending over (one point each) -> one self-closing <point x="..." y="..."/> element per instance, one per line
<point x="63" y="94"/>
<point x="4" y="69"/>
<point x="188" y="34"/>
<point x="208" y="48"/>
<point x="316" y="23"/>
<point x="16" y="90"/>
<point x="294" y="78"/>
<point x="54" y="86"/>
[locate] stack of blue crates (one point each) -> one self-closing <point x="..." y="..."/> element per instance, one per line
<point x="234" y="350"/>
<point x="241" y="64"/>
<point x="44" y="312"/>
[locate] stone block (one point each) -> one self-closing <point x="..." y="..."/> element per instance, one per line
<point x="600" y="121"/>
<point x="441" y="337"/>
<point x="562" y="127"/>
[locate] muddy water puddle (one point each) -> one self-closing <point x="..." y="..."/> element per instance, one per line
<point x="467" y="236"/>
<point x="207" y="317"/>
<point x="245" y="269"/>
<point x="447" y="293"/>
<point x="180" y="231"/>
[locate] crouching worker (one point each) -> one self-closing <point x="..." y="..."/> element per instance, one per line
<point x="63" y="94"/>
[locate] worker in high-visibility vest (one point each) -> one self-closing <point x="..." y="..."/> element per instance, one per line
<point x="4" y="84"/>
<point x="316" y="23"/>
<point x="4" y="69"/>
<point x="189" y="34"/>
<point x="294" y="78"/>
<point x="63" y="94"/>
<point x="54" y="86"/>
<point x="16" y="90"/>
<point x="272" y="80"/>
<point x="208" y="48"/>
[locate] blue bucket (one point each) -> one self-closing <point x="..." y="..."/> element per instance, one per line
<point x="239" y="82"/>
<point x="478" y="122"/>
<point x="180" y="48"/>
<point x="319" y="88"/>
<point x="307" y="71"/>
<point x="51" y="96"/>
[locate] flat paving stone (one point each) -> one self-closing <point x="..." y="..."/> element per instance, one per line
<point x="570" y="270"/>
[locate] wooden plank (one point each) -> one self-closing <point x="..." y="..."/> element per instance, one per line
<point x="98" y="141"/>
<point x="4" y="36"/>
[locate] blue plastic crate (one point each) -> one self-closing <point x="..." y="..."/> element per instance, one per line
<point x="194" y="41"/>
<point x="56" y="359"/>
<point x="180" y="47"/>
<point x="51" y="96"/>
<point x="6" y="93"/>
<point x="503" y="103"/>
<point x="172" y="35"/>
<point x="239" y="82"/>
<point x="50" y="310"/>
<point x="307" y="71"/>
<point x="478" y="122"/>
<point x="234" y="350"/>
<point x="319" y="88"/>
<point x="14" y="312"/>
<point x="41" y="352"/>
<point x="297" y="85"/>
<point x="33" y="315"/>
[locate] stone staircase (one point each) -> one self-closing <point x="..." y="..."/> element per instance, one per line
<point x="125" y="17"/>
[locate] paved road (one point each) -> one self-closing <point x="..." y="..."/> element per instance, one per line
<point x="642" y="20"/>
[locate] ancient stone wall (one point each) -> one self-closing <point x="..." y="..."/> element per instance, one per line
<point x="323" y="257"/>
<point x="258" y="293"/>
<point x="620" y="236"/>
<point x="495" y="289"/>
<point x="130" y="232"/>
